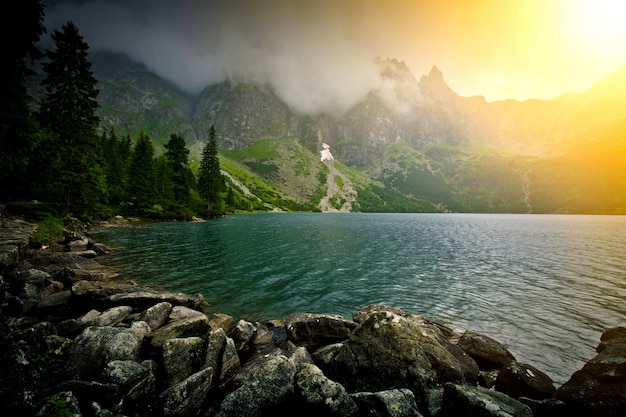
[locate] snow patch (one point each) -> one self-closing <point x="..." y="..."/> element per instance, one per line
<point x="325" y="153"/>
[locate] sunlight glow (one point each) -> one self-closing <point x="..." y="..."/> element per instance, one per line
<point x="598" y="24"/>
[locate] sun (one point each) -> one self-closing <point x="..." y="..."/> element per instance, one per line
<point x="598" y="24"/>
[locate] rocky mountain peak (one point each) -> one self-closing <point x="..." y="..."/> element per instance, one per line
<point x="434" y="85"/>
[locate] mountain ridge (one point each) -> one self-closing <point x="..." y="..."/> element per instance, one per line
<point x="415" y="138"/>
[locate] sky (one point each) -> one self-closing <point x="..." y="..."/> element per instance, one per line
<point x="320" y="54"/>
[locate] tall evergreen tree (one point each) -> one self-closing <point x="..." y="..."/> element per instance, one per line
<point x="210" y="182"/>
<point x="21" y="27"/>
<point x="177" y="156"/>
<point x="141" y="178"/>
<point x="68" y="111"/>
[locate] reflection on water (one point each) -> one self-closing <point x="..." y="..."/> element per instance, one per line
<point x="546" y="286"/>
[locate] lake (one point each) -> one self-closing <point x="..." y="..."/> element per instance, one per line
<point x="544" y="285"/>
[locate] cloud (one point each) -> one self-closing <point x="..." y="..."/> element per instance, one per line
<point x="308" y="52"/>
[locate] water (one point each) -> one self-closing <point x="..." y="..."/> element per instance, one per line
<point x="544" y="285"/>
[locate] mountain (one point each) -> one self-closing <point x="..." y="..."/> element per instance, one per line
<point x="408" y="145"/>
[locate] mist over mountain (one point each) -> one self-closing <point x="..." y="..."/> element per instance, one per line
<point x="417" y="137"/>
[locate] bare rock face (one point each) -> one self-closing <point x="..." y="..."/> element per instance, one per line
<point x="390" y="351"/>
<point x="599" y="388"/>
<point x="488" y="353"/>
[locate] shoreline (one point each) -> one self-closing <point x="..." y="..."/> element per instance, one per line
<point x="68" y="301"/>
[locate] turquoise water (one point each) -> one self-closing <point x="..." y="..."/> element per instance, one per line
<point x="544" y="285"/>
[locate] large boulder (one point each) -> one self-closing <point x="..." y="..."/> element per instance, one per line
<point x="135" y="380"/>
<point x="221" y="355"/>
<point x="390" y="351"/>
<point x="265" y="386"/>
<point x="319" y="396"/>
<point x="473" y="401"/>
<point x="96" y="346"/>
<point x="315" y="330"/>
<point x="521" y="380"/>
<point x="390" y="403"/>
<point x="487" y="352"/>
<point x="599" y="388"/>
<point x="182" y="357"/>
<point x="188" y="396"/>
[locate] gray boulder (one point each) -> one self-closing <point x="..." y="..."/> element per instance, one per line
<point x="243" y="334"/>
<point x="135" y="380"/>
<point x="315" y="330"/>
<point x="521" y="380"/>
<point x="221" y="355"/>
<point x="192" y="326"/>
<point x="390" y="351"/>
<point x="473" y="401"/>
<point x="188" y="396"/>
<point x="265" y="386"/>
<point x="182" y="357"/>
<point x="487" y="352"/>
<point x="319" y="395"/>
<point x="157" y="315"/>
<point x="390" y="403"/>
<point x="96" y="346"/>
<point x="112" y="316"/>
<point x="599" y="388"/>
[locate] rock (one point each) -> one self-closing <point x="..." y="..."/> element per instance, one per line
<point x="97" y="346"/>
<point x="470" y="401"/>
<point x="100" y="249"/>
<point x="325" y="355"/>
<point x="469" y="367"/>
<point x="599" y="388"/>
<point x="220" y="321"/>
<point x="390" y="403"/>
<point x="182" y="357"/>
<point x="187" y="397"/>
<point x="321" y="396"/>
<point x="192" y="326"/>
<point x="141" y="298"/>
<point x="359" y="316"/>
<point x="89" y="254"/>
<point x="264" y="387"/>
<point x="315" y="330"/>
<point x="157" y="315"/>
<point x="547" y="408"/>
<point x="243" y="334"/>
<point x="182" y="312"/>
<point x="221" y="355"/>
<point x="390" y="351"/>
<point x="488" y="353"/>
<point x="134" y="380"/>
<point x="521" y="380"/>
<point x="112" y="316"/>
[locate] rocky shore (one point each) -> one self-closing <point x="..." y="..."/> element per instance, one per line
<point x="76" y="343"/>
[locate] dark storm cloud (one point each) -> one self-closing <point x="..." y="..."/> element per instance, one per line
<point x="311" y="53"/>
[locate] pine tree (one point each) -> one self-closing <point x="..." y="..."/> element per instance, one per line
<point x="177" y="156"/>
<point x="141" y="178"/>
<point x="210" y="183"/>
<point x="68" y="111"/>
<point x="20" y="30"/>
